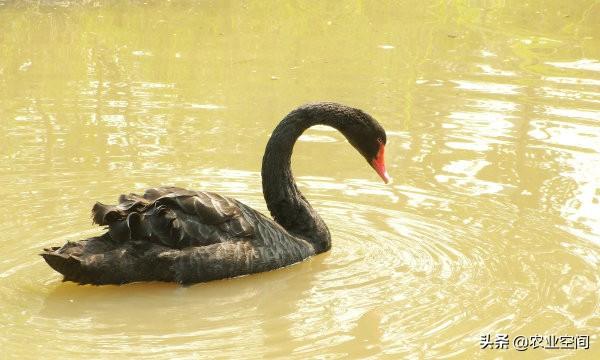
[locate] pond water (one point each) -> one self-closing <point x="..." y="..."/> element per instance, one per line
<point x="491" y="226"/>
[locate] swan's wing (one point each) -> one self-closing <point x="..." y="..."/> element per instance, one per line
<point x="98" y="261"/>
<point x="173" y="234"/>
<point x="175" y="217"/>
<point x="230" y="259"/>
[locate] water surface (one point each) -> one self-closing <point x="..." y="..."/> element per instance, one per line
<point x="491" y="225"/>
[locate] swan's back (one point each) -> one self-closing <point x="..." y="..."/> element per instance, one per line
<point x="173" y="234"/>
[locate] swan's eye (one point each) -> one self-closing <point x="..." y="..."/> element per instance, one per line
<point x="380" y="141"/>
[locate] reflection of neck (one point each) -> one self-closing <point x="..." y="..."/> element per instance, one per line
<point x="285" y="201"/>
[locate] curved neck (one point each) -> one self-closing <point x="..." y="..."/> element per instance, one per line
<point x="286" y="203"/>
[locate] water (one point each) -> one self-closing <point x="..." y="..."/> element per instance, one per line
<point x="491" y="226"/>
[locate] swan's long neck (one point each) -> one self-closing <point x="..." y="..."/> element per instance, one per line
<point x="285" y="201"/>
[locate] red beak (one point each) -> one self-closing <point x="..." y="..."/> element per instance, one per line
<point x="378" y="163"/>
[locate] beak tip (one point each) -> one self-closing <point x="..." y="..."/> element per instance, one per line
<point x="387" y="179"/>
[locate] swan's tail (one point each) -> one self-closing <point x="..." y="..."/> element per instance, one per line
<point x="67" y="259"/>
<point x="101" y="260"/>
<point x="67" y="265"/>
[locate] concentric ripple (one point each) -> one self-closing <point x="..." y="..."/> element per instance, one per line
<point x="493" y="132"/>
<point x="415" y="279"/>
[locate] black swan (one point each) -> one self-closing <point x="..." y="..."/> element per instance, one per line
<point x="178" y="235"/>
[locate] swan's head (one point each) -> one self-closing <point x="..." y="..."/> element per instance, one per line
<point x="362" y="131"/>
<point x="368" y="137"/>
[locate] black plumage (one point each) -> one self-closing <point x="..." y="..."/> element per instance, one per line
<point x="174" y="234"/>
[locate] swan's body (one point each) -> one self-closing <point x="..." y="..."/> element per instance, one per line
<point x="173" y="234"/>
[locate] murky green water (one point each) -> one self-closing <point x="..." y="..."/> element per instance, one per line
<point x="492" y="225"/>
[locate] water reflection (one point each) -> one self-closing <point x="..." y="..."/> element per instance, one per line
<point x="490" y="226"/>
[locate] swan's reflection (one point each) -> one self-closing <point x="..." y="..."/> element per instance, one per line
<point x="201" y="319"/>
